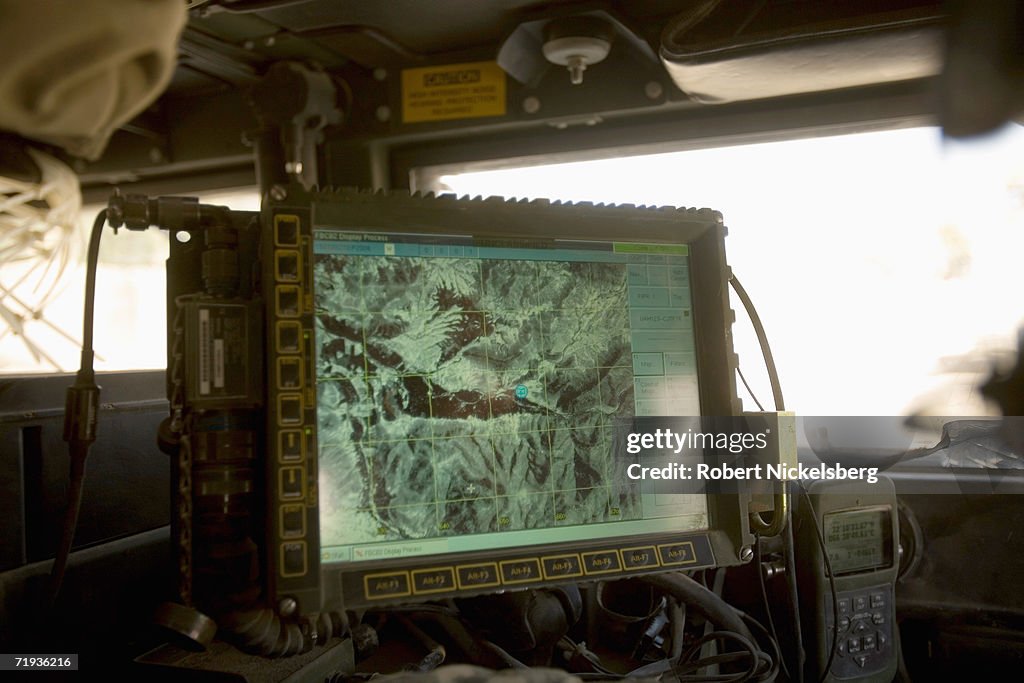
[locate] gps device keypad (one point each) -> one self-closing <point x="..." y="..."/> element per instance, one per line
<point x="865" y="630"/>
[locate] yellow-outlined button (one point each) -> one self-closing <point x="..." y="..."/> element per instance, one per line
<point x="289" y="367"/>
<point x="282" y="346"/>
<point x="532" y="562"/>
<point x="291" y="475"/>
<point x="289" y="442"/>
<point x="610" y="554"/>
<point x="284" y="296"/>
<point x="651" y="553"/>
<point x="448" y="585"/>
<point x="287" y="265"/>
<point x="289" y="410"/>
<point x="282" y="528"/>
<point x="397" y="585"/>
<point x="569" y="574"/>
<point x="665" y="549"/>
<point x="301" y="545"/>
<point x="286" y="230"/>
<point x="491" y="566"/>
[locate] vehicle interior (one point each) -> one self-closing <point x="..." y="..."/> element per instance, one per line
<point x="404" y="361"/>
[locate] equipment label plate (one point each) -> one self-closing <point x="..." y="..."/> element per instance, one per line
<point x="453" y="91"/>
<point x="218" y="350"/>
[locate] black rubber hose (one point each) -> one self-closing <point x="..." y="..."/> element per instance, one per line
<point x="92" y="265"/>
<point x="60" y="560"/>
<point x="714" y="608"/>
<point x="80" y="416"/>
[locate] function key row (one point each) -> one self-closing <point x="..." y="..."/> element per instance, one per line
<point x="396" y="584"/>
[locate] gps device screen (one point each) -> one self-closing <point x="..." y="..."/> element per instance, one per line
<point x="858" y="540"/>
<point x="466" y="390"/>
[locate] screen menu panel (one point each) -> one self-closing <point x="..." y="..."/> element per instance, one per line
<point x="466" y="390"/>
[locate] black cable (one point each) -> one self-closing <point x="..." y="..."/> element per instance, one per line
<point x="749" y="651"/>
<point x="762" y="339"/>
<point x="831" y="583"/>
<point x="571" y="649"/>
<point x="503" y="655"/>
<point x="902" y="673"/>
<point x="67" y="537"/>
<point x="710" y="649"/>
<point x="778" y="661"/>
<point x="761" y="667"/>
<point x="91" y="264"/>
<point x="80" y="414"/>
<point x="717" y="611"/>
<point x="749" y="390"/>
<point x="677" y="619"/>
<point x="704" y="601"/>
<point x="794" y="600"/>
<point x="768" y="610"/>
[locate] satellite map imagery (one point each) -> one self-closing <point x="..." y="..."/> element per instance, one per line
<point x="469" y="395"/>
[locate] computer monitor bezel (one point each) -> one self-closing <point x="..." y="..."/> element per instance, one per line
<point x="331" y="586"/>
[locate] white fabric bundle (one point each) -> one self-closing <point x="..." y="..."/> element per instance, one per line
<point x="73" y="71"/>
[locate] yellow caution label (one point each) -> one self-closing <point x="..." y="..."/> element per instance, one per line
<point x="453" y="91"/>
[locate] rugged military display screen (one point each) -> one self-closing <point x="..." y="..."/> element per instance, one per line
<point x="466" y="390"/>
<point x="858" y="540"/>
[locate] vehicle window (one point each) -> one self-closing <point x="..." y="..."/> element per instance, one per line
<point x="41" y="304"/>
<point x="881" y="263"/>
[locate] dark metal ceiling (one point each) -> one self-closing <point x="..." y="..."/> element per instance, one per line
<point x="199" y="124"/>
<point x="399" y="33"/>
<point x="380" y="33"/>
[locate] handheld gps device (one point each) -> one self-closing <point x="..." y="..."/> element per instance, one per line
<point x="859" y="527"/>
<point x="425" y="392"/>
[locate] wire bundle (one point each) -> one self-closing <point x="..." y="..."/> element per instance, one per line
<point x="38" y="222"/>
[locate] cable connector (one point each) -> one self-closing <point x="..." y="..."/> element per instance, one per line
<point x="138" y="212"/>
<point x="81" y="409"/>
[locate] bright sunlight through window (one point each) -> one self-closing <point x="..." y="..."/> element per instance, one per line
<point x="131" y="320"/>
<point x="884" y="265"/>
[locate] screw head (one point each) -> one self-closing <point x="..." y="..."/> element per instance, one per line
<point x="380" y="74"/>
<point x="653" y="90"/>
<point x="287" y="607"/>
<point x="746" y="553"/>
<point x="531" y="105"/>
<point x="383" y="113"/>
<point x="278" y="193"/>
<point x="248" y="45"/>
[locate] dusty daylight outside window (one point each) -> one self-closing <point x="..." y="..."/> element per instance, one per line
<point x="881" y="263"/>
<point x="41" y="328"/>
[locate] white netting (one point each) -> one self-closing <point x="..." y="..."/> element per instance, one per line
<point x="38" y="238"/>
